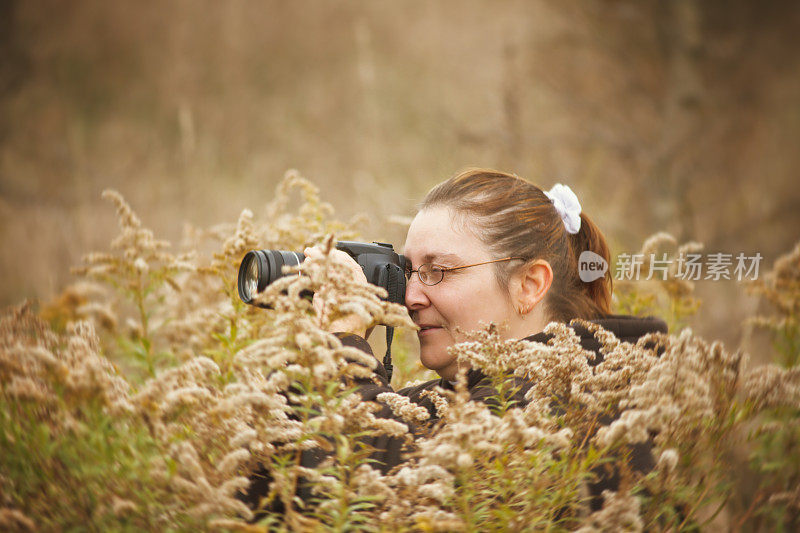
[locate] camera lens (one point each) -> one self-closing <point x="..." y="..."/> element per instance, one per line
<point x="259" y="268"/>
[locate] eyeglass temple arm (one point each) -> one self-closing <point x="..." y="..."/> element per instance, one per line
<point x="483" y="263"/>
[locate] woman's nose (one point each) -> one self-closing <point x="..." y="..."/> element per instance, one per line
<point x="415" y="293"/>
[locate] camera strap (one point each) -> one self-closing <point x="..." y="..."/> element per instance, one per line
<point x="387" y="359"/>
<point x="396" y="293"/>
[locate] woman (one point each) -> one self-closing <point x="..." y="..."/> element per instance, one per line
<point x="489" y="247"/>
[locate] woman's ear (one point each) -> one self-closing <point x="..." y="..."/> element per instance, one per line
<point x="530" y="284"/>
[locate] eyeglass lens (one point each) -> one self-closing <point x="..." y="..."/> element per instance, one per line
<point x="429" y="274"/>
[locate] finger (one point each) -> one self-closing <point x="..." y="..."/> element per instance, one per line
<point x="313" y="252"/>
<point x="346" y="259"/>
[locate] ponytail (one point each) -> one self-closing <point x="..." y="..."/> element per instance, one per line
<point x="590" y="238"/>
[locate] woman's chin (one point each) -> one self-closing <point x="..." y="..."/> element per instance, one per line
<point x="433" y="347"/>
<point x="436" y="361"/>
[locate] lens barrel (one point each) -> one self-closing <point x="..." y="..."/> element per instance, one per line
<point x="259" y="268"/>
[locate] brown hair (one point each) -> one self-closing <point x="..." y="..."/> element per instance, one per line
<point x="513" y="217"/>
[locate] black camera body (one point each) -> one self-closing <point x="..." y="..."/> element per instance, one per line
<point x="381" y="265"/>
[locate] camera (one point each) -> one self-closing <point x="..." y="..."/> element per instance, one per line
<point x="381" y="265"/>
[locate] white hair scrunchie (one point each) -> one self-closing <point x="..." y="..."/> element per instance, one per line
<point x="567" y="206"/>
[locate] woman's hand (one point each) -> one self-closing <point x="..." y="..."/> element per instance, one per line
<point x="351" y="323"/>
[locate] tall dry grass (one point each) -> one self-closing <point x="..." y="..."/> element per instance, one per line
<point x="148" y="393"/>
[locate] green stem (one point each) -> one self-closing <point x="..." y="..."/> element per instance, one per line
<point x="145" y="339"/>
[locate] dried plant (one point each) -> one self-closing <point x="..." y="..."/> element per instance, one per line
<point x="661" y="288"/>
<point x="774" y="460"/>
<point x="244" y="394"/>
<point x="779" y="290"/>
<point x="140" y="269"/>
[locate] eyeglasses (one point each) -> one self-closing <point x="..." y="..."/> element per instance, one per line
<point x="431" y="274"/>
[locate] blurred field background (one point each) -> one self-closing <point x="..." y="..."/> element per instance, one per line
<point x="679" y="116"/>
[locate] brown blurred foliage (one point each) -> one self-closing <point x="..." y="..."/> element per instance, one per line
<point x="677" y="115"/>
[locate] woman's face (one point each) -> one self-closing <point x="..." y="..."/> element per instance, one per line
<point x="464" y="299"/>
